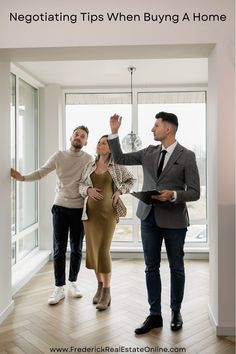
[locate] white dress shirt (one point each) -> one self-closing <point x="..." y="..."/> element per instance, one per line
<point x="169" y="150"/>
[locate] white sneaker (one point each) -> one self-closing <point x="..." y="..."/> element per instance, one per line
<point x="57" y="295"/>
<point x="74" y="290"/>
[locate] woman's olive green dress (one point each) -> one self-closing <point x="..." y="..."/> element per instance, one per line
<point x="100" y="226"/>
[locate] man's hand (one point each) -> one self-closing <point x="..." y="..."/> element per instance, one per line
<point x="115" y="123"/>
<point x="164" y="196"/>
<point x="15" y="174"/>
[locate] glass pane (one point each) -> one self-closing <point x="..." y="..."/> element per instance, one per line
<point x="196" y="233"/>
<point x="127" y="200"/>
<point x="27" y="244"/>
<point x="123" y="233"/>
<point x="191" y="134"/>
<point x="94" y="111"/>
<point x="13" y="152"/>
<point x="95" y="114"/>
<point x="27" y="152"/>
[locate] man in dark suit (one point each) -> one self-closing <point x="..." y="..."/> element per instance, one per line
<point x="171" y="169"/>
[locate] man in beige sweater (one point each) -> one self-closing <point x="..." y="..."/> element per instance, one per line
<point x="67" y="209"/>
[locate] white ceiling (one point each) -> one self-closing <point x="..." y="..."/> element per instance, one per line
<point x="114" y="73"/>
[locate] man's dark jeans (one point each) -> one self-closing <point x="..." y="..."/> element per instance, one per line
<point x="152" y="237"/>
<point x="65" y="221"/>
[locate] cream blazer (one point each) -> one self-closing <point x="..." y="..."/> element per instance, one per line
<point x="122" y="178"/>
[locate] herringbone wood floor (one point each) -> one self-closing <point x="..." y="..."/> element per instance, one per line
<point x="34" y="327"/>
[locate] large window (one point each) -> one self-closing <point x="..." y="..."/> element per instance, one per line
<point x="190" y="107"/>
<point x="24" y="156"/>
<point x="94" y="110"/>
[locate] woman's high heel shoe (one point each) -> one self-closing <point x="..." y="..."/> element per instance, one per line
<point x="105" y="300"/>
<point x="98" y="294"/>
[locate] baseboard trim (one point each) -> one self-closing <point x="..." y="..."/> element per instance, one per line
<point x="134" y="254"/>
<point x="225" y="331"/>
<point x="7" y="311"/>
<point x="221" y="331"/>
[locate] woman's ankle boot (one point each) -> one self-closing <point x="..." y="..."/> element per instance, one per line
<point x="105" y="299"/>
<point x="98" y="294"/>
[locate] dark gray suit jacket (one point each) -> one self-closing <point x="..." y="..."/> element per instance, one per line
<point x="180" y="174"/>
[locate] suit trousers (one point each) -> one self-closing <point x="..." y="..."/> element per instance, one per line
<point x="65" y="221"/>
<point x="152" y="237"/>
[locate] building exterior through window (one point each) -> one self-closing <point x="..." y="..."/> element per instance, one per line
<point x="24" y="157"/>
<point x="94" y="110"/>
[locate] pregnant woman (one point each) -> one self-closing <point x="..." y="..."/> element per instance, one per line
<point x="101" y="185"/>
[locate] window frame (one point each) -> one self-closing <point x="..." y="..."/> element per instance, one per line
<point x="20" y="234"/>
<point x="136" y="244"/>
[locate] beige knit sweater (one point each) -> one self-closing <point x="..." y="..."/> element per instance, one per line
<point x="69" y="165"/>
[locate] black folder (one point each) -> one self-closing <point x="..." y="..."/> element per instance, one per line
<point x="145" y="196"/>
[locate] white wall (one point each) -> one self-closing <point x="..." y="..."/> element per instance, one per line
<point x="212" y="182"/>
<point x="225" y="188"/>
<point x="6" y="303"/>
<point x="130" y="36"/>
<point x="49" y="127"/>
<point x="221" y="190"/>
<point x="105" y="33"/>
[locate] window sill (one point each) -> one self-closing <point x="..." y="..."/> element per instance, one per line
<point x="137" y="252"/>
<point x="23" y="271"/>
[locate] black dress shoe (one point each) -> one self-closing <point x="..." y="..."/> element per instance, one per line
<point x="152" y="321"/>
<point x="176" y="321"/>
